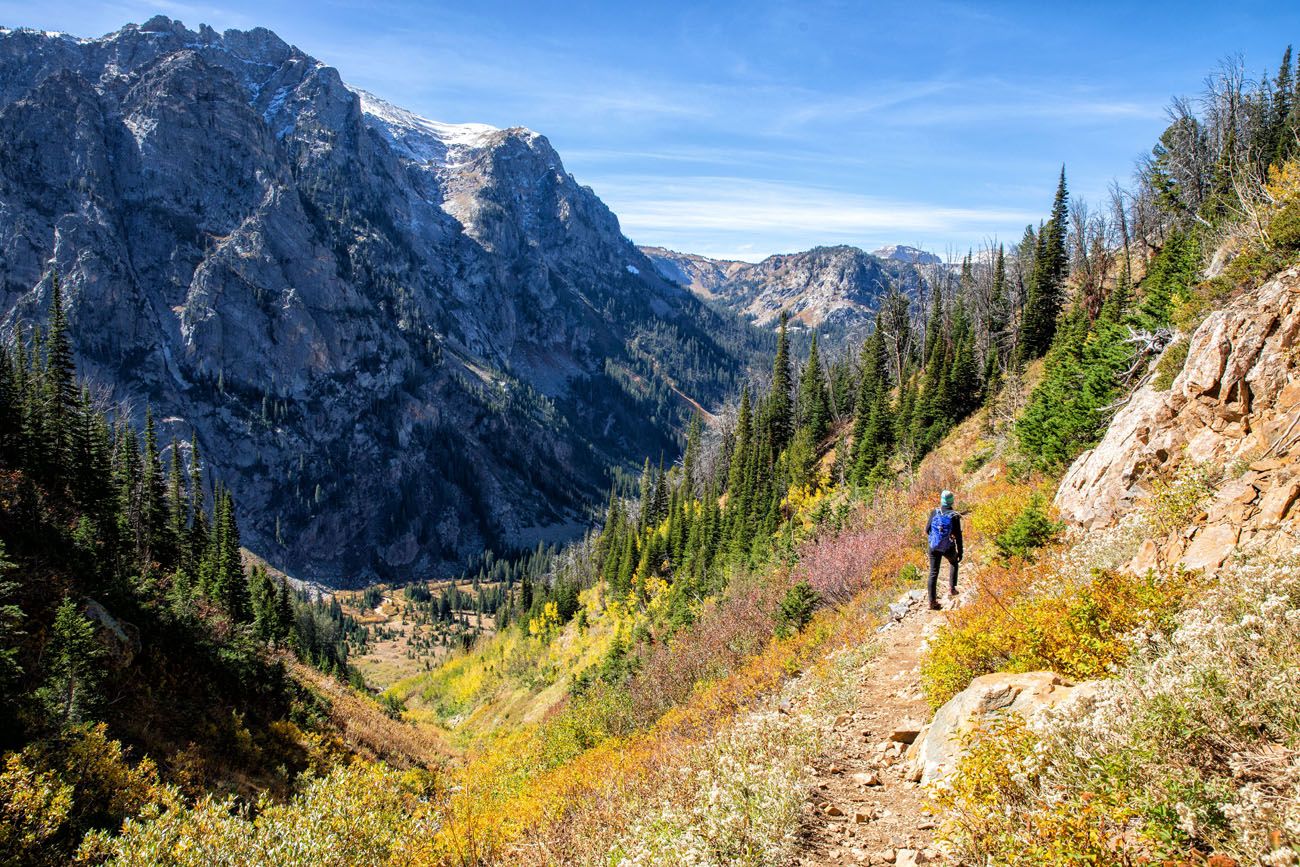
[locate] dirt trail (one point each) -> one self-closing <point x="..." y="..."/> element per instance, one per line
<point x="863" y="809"/>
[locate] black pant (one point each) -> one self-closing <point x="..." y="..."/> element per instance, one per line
<point x="935" y="556"/>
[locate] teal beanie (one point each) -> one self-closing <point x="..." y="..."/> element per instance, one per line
<point x="945" y="499"/>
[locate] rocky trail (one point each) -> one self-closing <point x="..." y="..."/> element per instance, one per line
<point x="866" y="806"/>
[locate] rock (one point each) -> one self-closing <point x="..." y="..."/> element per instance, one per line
<point x="886" y="856"/>
<point x="866" y="779"/>
<point x="989" y="694"/>
<point x="908" y="858"/>
<point x="1210" y="547"/>
<point x="898" y="610"/>
<point x="833" y="810"/>
<point x="119" y="639"/>
<point x="1277" y="502"/>
<point x="1234" y="399"/>
<point x="906" y="731"/>
<point x="860" y="817"/>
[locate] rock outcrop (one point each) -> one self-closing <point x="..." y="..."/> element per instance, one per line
<point x="1233" y="410"/>
<point x="939" y="745"/>
<point x="833" y="289"/>
<point x="398" y="340"/>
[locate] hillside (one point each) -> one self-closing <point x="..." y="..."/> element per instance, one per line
<point x="350" y="305"/>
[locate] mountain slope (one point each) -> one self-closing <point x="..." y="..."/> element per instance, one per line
<point x="833" y="289"/>
<point x="400" y="340"/>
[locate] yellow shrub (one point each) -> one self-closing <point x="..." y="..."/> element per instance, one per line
<point x="33" y="807"/>
<point x="996" y="506"/>
<point x="1023" y="621"/>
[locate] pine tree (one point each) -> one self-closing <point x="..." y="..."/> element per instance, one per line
<point x="691" y="456"/>
<point x="1046" y="291"/>
<point x="1282" y="130"/>
<point x="965" y="385"/>
<point x="153" y="497"/>
<point x="11" y="619"/>
<point x="999" y="314"/>
<point x="814" y="405"/>
<point x="73" y="670"/>
<point x="779" y="411"/>
<point x="61" y="397"/>
<point x="198" y="530"/>
<point x="177" y="507"/>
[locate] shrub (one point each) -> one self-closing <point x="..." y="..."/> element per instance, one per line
<point x="1023" y="620"/>
<point x="1192" y="749"/>
<point x="796" y="609"/>
<point x="1176" y="499"/>
<point x="1170" y="364"/>
<point x="977" y="460"/>
<point x="359" y="814"/>
<point x="54" y="791"/>
<point x="1031" y="530"/>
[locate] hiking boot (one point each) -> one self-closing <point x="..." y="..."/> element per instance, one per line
<point x="935" y="606"/>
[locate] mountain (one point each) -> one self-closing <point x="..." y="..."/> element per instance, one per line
<point x="399" y="340"/>
<point x="833" y="289"/>
<point x="910" y="255"/>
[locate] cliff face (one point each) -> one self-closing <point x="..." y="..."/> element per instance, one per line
<point x="400" y="340"/>
<point x="833" y="289"/>
<point x="1234" y="412"/>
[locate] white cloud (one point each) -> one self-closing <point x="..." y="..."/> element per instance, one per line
<point x="738" y="218"/>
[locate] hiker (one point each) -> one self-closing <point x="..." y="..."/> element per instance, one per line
<point x="943" y="541"/>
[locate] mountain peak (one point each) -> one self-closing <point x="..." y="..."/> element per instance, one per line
<point x="904" y="253"/>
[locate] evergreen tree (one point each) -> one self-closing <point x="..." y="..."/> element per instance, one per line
<point x="74" y="674"/>
<point x="779" y="411"/>
<point x="1046" y="290"/>
<point x="153" y="496"/>
<point x="814" y="405"/>
<point x="61" y="397"/>
<point x="1282" y="130"/>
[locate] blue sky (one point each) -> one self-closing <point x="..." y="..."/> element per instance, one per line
<point x="740" y="129"/>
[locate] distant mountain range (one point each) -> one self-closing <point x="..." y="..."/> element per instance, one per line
<point x="834" y="290"/>
<point x="399" y="340"/>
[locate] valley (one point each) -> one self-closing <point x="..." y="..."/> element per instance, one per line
<point x="369" y="497"/>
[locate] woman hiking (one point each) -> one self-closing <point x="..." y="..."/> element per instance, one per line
<point x="943" y="541"/>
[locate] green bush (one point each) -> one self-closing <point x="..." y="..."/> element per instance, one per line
<point x="1170" y="365"/>
<point x="796" y="609"/>
<point x="977" y="460"/>
<point x="1031" y="530"/>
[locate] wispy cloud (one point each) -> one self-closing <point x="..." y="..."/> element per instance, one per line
<point x="742" y="217"/>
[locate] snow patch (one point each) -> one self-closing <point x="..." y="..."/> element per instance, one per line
<point x="401" y="122"/>
<point x="632" y="269"/>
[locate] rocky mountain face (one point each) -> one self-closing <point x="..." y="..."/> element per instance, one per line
<point x="400" y="340"/>
<point x="1230" y="417"/>
<point x="909" y="255"/>
<point x="832" y="289"/>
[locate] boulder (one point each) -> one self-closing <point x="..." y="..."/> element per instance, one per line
<point x="1278" y="501"/>
<point x="940" y="746"/>
<point x="119" y="639"/>
<point x="1211" y="547"/>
